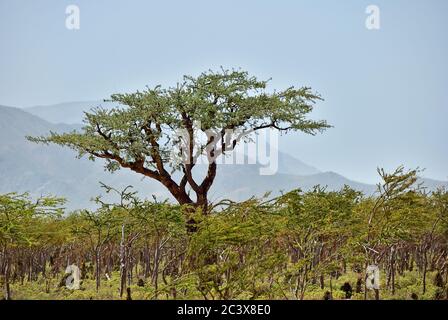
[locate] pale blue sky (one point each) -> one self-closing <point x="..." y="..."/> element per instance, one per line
<point x="385" y="90"/>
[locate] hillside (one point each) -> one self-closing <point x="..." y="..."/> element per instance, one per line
<point x="38" y="169"/>
<point x="69" y="112"/>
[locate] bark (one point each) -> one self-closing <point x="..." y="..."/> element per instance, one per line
<point x="155" y="272"/>
<point x="425" y="268"/>
<point x="122" y="263"/>
<point x="377" y="294"/>
<point x="6" y="277"/>
<point x="98" y="268"/>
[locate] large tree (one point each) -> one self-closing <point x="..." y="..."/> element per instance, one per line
<point x="143" y="130"/>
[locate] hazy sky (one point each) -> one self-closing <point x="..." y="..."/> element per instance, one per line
<point x="385" y="90"/>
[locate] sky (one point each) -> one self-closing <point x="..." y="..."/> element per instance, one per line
<point x="385" y="90"/>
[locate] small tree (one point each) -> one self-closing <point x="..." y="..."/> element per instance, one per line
<point x="391" y="217"/>
<point x="20" y="218"/>
<point x="98" y="228"/>
<point x="140" y="134"/>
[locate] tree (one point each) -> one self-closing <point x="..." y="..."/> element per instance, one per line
<point x="391" y="217"/>
<point x="99" y="228"/>
<point x="223" y="107"/>
<point x="19" y="223"/>
<point x="438" y="222"/>
<point x="319" y="230"/>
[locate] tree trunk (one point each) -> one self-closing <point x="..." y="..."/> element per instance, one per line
<point x="322" y="281"/>
<point x="425" y="269"/>
<point x="331" y="286"/>
<point x="6" y="276"/>
<point x="377" y="294"/>
<point x="122" y="263"/>
<point x="155" y="272"/>
<point x="147" y="261"/>
<point x="98" y="268"/>
<point x="365" y="281"/>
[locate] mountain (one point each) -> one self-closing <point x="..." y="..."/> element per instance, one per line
<point x="243" y="181"/>
<point x="289" y="165"/>
<point x="69" y="112"/>
<point x="431" y="184"/>
<point x="43" y="170"/>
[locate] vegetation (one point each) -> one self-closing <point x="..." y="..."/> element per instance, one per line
<point x="301" y="245"/>
<point x="223" y="108"/>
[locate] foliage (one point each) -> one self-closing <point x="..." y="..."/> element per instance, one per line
<point x="223" y="107"/>
<point x="297" y="246"/>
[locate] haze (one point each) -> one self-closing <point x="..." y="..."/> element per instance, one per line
<point x="384" y="90"/>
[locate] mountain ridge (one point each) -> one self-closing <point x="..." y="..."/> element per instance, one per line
<point x="40" y="169"/>
<point x="66" y="112"/>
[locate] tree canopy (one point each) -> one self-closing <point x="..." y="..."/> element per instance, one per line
<point x="295" y="246"/>
<point x="142" y="131"/>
